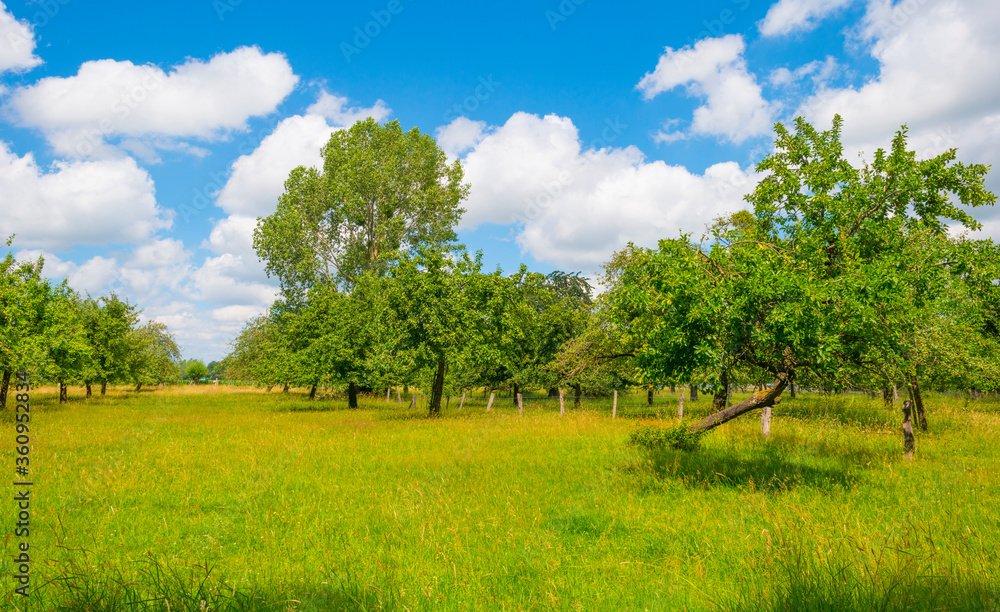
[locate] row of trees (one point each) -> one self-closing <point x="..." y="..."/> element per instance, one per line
<point x="838" y="276"/>
<point x="62" y="337"/>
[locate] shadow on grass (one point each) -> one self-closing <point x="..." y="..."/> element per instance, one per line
<point x="158" y="587"/>
<point x="915" y="585"/>
<point x="774" y="466"/>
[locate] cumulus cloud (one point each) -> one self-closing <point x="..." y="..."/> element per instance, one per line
<point x="335" y="109"/>
<point x="83" y="115"/>
<point x="713" y="69"/>
<point x="460" y="135"/>
<point x="17" y="43"/>
<point x="257" y="179"/>
<point x="77" y="203"/>
<point x="574" y="205"/>
<point x="789" y="16"/>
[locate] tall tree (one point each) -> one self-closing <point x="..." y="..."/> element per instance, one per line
<point x="381" y="192"/>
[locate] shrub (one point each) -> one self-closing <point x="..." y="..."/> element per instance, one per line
<point x="653" y="437"/>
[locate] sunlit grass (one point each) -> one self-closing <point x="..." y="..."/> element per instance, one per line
<point x="247" y="500"/>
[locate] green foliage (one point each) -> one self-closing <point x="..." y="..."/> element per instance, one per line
<point x="195" y="370"/>
<point x="108" y="324"/>
<point x="655" y="437"/>
<point x="381" y="192"/>
<point x="833" y="279"/>
<point x="155" y="355"/>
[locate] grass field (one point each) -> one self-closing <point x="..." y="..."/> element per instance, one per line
<point x="221" y="499"/>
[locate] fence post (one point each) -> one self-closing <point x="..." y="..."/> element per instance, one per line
<point x="520" y="404"/>
<point x="489" y="404"/>
<point x="765" y="421"/>
<point x="461" y="403"/>
<point x="907" y="430"/>
<point x="614" y="405"/>
<point x="399" y="398"/>
<point x="562" y="404"/>
<point x="388" y="395"/>
<point x="680" y="405"/>
<point x="413" y="400"/>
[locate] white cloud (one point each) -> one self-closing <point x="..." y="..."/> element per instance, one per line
<point x="819" y="72"/>
<point x="258" y="178"/>
<point x="110" y="99"/>
<point x="76" y="203"/>
<point x="575" y="205"/>
<point x="713" y="69"/>
<point x="335" y="109"/>
<point x="217" y="281"/>
<point x="17" y="44"/>
<point x="460" y="135"/>
<point x="788" y="16"/>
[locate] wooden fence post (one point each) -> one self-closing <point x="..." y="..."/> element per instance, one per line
<point x="895" y="394"/>
<point x="413" y="400"/>
<point x="399" y="398"/>
<point x="461" y="403"/>
<point x="489" y="404"/>
<point x="614" y="405"/>
<point x="520" y="404"/>
<point x="907" y="430"/>
<point x="562" y="404"/>
<point x="765" y="421"/>
<point x="680" y="405"/>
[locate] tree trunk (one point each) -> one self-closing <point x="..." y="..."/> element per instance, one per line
<point x="791" y="390"/>
<point x="887" y="397"/>
<point x="766" y="397"/>
<point x="89" y="394"/>
<point x="352" y="395"/>
<point x="918" y="403"/>
<point x="3" y="389"/>
<point x="62" y="393"/>
<point x="694" y="392"/>
<point x="907" y="430"/>
<point x="553" y="392"/>
<point x="649" y="396"/>
<point x="579" y="393"/>
<point x="517" y="389"/>
<point x="721" y="392"/>
<point x="104" y="387"/>
<point x="673" y="388"/>
<point x="285" y="390"/>
<point x="437" y="390"/>
<point x="312" y="392"/>
<point x="138" y="386"/>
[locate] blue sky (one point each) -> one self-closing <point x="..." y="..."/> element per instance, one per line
<point x="139" y="143"/>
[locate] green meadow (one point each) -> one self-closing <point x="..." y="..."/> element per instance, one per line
<point x="223" y="499"/>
